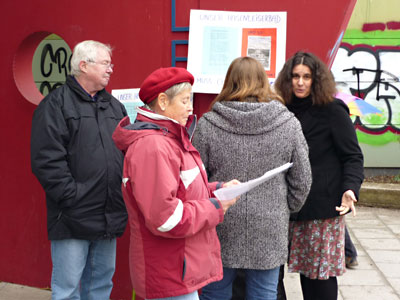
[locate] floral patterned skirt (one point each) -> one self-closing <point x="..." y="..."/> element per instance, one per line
<point x="317" y="248"/>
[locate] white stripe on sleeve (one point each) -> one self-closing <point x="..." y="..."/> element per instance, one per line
<point x="174" y="219"/>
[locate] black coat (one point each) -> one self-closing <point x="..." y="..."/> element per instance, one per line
<point x="77" y="163"/>
<point x="335" y="156"/>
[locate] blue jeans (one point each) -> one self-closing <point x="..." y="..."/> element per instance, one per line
<point x="191" y="296"/>
<point x="82" y="269"/>
<point x="260" y="285"/>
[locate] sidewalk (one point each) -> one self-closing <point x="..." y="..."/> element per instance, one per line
<point x="376" y="234"/>
<point x="10" y="291"/>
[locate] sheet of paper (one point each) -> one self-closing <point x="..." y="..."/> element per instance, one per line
<point x="231" y="192"/>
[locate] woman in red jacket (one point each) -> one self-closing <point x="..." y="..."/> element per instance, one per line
<point x="174" y="248"/>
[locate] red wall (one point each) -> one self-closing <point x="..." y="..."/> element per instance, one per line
<point x="140" y="32"/>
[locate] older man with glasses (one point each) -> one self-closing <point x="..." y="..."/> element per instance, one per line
<point x="75" y="160"/>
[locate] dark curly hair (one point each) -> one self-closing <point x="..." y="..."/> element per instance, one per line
<point x="323" y="85"/>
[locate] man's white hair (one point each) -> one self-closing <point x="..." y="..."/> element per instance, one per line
<point x="86" y="51"/>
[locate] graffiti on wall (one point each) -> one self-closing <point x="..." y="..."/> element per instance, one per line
<point x="372" y="72"/>
<point x="49" y="59"/>
<point x="51" y="64"/>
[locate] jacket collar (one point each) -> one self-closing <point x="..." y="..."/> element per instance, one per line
<point x="173" y="126"/>
<point x="103" y="97"/>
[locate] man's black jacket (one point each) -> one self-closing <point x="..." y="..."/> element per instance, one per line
<point x="77" y="163"/>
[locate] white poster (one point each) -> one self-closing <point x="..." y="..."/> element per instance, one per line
<point x="130" y="99"/>
<point x="216" y="38"/>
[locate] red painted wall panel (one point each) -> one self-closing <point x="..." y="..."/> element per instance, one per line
<point x="140" y="32"/>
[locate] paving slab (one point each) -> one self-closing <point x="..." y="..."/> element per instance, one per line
<point x="292" y="286"/>
<point x="396" y="284"/>
<point x="380" y="244"/>
<point x="395" y="229"/>
<point x="368" y="293"/>
<point x="362" y="277"/>
<point x="19" y="292"/>
<point x="392" y="219"/>
<point x="365" y="223"/>
<point x="372" y="233"/>
<point x="384" y="256"/>
<point x="389" y="270"/>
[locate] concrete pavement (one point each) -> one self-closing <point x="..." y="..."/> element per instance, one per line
<point x="374" y="231"/>
<point x="9" y="291"/>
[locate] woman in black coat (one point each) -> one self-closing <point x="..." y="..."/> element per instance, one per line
<point x="317" y="231"/>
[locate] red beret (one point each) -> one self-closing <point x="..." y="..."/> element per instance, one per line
<point x="161" y="80"/>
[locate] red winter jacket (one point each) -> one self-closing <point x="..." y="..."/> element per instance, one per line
<point x="174" y="248"/>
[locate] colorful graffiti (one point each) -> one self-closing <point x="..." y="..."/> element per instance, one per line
<point x="367" y="65"/>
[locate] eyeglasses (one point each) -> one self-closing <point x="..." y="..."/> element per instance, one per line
<point x="104" y="64"/>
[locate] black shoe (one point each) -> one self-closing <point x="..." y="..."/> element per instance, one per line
<point x="351" y="262"/>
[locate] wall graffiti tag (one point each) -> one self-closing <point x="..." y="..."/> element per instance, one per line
<point x="51" y="64"/>
<point x="367" y="65"/>
<point x="372" y="73"/>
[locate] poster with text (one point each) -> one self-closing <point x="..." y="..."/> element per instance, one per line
<point x="216" y="38"/>
<point x="130" y="99"/>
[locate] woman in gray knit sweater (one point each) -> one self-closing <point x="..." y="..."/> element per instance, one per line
<point x="248" y="132"/>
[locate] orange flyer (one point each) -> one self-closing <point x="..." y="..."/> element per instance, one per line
<point x="260" y="44"/>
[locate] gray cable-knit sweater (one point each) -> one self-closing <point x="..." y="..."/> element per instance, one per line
<point x="243" y="140"/>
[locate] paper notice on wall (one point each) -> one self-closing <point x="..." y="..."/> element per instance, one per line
<point x="216" y="38"/>
<point x="233" y="191"/>
<point x="130" y="99"/>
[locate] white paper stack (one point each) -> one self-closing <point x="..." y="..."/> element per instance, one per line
<point x="231" y="192"/>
